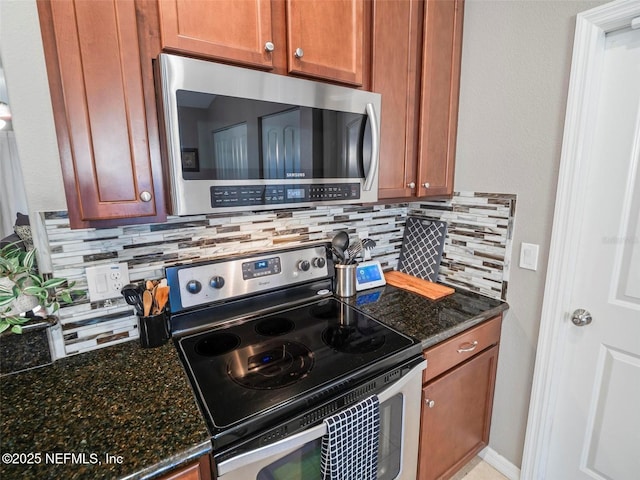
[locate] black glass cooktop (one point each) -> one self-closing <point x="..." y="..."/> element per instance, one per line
<point x="255" y="367"/>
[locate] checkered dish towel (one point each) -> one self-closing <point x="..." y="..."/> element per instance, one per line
<point x="350" y="447"/>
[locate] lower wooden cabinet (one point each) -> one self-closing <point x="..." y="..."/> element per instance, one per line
<point x="199" y="470"/>
<point x="457" y="405"/>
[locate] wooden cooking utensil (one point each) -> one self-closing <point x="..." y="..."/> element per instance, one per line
<point x="161" y="298"/>
<point x="147" y="301"/>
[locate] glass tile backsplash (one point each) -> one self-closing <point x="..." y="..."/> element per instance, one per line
<point x="476" y="254"/>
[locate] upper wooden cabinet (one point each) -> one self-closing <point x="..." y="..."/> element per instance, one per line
<point x="238" y="31"/>
<point x="397" y="48"/>
<point x="315" y="39"/>
<point x="106" y="127"/>
<point x="439" y="99"/>
<point x="417" y="47"/>
<point x="325" y="39"/>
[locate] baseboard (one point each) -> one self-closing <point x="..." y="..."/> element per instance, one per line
<point x="497" y="461"/>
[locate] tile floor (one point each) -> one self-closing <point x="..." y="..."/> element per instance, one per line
<point x="477" y="469"/>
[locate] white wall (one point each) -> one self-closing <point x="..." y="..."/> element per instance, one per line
<point x="30" y="101"/>
<point x="516" y="60"/>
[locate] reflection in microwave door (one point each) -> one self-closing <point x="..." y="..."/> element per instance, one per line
<point x="190" y="162"/>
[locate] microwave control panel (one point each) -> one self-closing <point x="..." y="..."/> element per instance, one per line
<point x="247" y="195"/>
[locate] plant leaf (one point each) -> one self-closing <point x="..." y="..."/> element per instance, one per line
<point x="33" y="290"/>
<point x="6" y="300"/>
<point x="53" y="282"/>
<point x="66" y="297"/>
<point x="3" y="325"/>
<point x="29" y="259"/>
<point x="16" y="329"/>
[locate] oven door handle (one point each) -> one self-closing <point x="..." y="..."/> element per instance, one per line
<point x="292" y="443"/>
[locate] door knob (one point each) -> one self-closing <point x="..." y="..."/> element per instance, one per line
<point x="269" y="47"/>
<point x="299" y="53"/>
<point x="145" y="196"/>
<point x="411" y="185"/>
<point x="426" y="185"/>
<point x="429" y="403"/>
<point x="581" y="317"/>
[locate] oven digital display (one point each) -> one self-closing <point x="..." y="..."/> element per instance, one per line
<point x="262" y="264"/>
<point x="295" y="193"/>
<point x="261" y="268"/>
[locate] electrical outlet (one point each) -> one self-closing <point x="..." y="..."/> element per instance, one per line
<point x="106" y="281"/>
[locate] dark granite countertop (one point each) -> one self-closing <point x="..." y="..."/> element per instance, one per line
<point x="430" y="321"/>
<point x="137" y="405"/>
<point x="133" y="404"/>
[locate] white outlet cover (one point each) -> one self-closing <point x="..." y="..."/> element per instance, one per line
<point x="529" y="256"/>
<point x="106" y="281"/>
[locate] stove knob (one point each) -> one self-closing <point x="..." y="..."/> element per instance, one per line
<point x="216" y="282"/>
<point x="318" y="262"/>
<point x="194" y="286"/>
<point x="304" y="265"/>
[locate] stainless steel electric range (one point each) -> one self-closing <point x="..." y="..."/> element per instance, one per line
<point x="270" y="353"/>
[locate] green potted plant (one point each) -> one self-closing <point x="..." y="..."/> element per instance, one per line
<point x="22" y="288"/>
<point x="27" y="302"/>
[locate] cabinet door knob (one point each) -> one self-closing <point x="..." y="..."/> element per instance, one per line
<point x="145" y="196"/>
<point x="429" y="403"/>
<point x="426" y="185"/>
<point x="411" y="185"/>
<point x="299" y="53"/>
<point x="469" y="347"/>
<point x="269" y="47"/>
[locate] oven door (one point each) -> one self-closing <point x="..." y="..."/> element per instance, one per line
<point x="298" y="456"/>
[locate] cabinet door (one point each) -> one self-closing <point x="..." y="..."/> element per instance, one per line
<point x="200" y="470"/>
<point x="96" y="80"/>
<point x="328" y="38"/>
<point x="440" y="90"/>
<point x="397" y="28"/>
<point x="231" y="30"/>
<point x="455" y="427"/>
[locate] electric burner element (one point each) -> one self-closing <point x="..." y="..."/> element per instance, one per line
<point x="271" y="366"/>
<point x="217" y="344"/>
<point x="274" y="326"/>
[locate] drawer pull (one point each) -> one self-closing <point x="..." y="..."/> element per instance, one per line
<point x="472" y="346"/>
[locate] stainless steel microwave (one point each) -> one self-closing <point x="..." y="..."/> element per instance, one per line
<point x="240" y="139"/>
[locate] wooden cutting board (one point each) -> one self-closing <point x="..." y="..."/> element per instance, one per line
<point x="431" y="290"/>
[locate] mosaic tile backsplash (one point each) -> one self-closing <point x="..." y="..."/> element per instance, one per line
<point x="476" y="254"/>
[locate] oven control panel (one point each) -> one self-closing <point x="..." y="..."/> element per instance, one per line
<point x="202" y="283"/>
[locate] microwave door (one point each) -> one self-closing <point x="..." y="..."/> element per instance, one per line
<point x="281" y="146"/>
<point x="230" y="158"/>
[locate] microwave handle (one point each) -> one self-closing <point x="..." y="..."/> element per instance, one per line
<point x="375" y="146"/>
<point x="293" y="442"/>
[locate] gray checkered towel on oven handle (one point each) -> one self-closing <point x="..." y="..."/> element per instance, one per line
<point x="350" y="447"/>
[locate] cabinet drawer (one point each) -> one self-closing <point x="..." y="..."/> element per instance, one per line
<point x="450" y="353"/>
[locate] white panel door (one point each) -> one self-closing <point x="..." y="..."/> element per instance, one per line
<point x="595" y="423"/>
